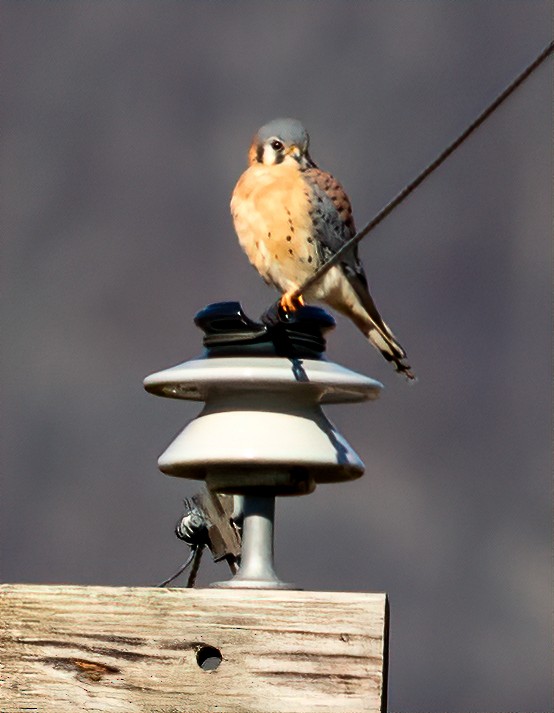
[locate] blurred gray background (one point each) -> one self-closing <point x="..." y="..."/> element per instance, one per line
<point x="125" y="128"/>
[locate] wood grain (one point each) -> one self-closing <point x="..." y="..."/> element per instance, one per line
<point x="134" y="650"/>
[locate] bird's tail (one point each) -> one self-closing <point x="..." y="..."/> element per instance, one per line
<point x="375" y="329"/>
<point x="372" y="325"/>
<point x="351" y="297"/>
<point x="383" y="339"/>
<point x="380" y="336"/>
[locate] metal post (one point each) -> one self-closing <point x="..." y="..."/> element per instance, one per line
<point x="256" y="568"/>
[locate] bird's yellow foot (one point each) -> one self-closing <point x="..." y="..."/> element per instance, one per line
<point x="290" y="303"/>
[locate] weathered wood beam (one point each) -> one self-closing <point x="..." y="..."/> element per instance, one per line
<point x="68" y="649"/>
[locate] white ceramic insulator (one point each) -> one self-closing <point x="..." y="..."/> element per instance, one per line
<point x="262" y="420"/>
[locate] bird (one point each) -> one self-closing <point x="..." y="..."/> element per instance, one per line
<point x="290" y="217"/>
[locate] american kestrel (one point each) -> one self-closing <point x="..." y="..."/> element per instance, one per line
<point x="290" y="217"/>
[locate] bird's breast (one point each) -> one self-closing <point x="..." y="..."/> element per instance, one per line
<point x="271" y="211"/>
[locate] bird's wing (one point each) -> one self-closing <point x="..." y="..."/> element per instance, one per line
<point x="333" y="226"/>
<point x="334" y="200"/>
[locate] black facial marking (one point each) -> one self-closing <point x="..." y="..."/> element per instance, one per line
<point x="260" y="154"/>
<point x="306" y="162"/>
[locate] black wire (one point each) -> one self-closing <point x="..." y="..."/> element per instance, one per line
<point x="197" y="556"/>
<point x="181" y="568"/>
<point x="405" y="192"/>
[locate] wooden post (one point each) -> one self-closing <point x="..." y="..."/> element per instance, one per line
<point x="68" y="649"/>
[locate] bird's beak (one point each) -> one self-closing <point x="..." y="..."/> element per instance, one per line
<point x="294" y="151"/>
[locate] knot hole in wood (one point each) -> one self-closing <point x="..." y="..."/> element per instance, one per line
<point x="208" y="658"/>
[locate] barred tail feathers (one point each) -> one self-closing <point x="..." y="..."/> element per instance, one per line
<point x="391" y="350"/>
<point x="347" y="292"/>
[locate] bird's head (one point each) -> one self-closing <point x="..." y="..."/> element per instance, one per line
<point x="281" y="141"/>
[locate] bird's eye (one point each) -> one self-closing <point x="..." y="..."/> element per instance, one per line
<point x="277" y="145"/>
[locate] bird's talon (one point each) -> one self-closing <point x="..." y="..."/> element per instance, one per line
<point x="290" y="303"/>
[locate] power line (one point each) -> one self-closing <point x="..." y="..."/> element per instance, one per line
<point x="441" y="158"/>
